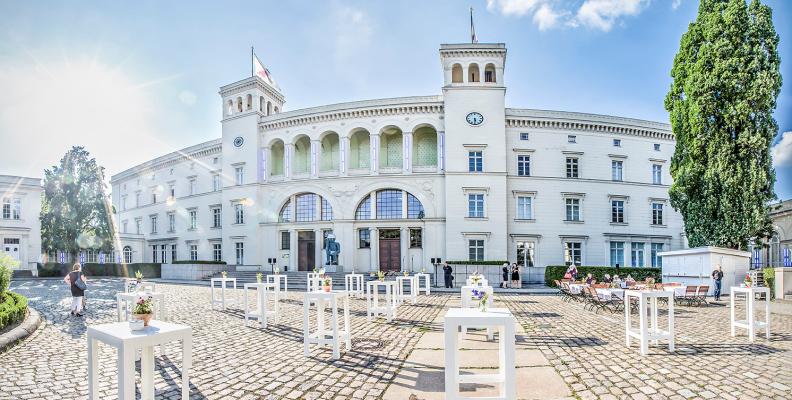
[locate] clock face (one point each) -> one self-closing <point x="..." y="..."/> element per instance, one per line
<point x="474" y="118"/>
<point x="238" y="141"/>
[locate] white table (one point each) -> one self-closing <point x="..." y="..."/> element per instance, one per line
<point x="131" y="285"/>
<point x="128" y="342"/>
<point x="647" y="303"/>
<point x="353" y="284"/>
<point x="282" y="282"/>
<point x="495" y="317"/>
<point x="125" y="300"/>
<point x="222" y="282"/>
<point x="608" y="294"/>
<point x="469" y="302"/>
<point x="678" y="290"/>
<point x="576" y="288"/>
<point x="426" y="283"/>
<point x="750" y="323"/>
<point x="265" y="292"/>
<point x="373" y="307"/>
<point x="322" y="336"/>
<point x="400" y="294"/>
<point x="481" y="282"/>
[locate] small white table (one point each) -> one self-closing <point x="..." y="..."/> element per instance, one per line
<point x="265" y="292"/>
<point x="128" y="342"/>
<point x="469" y="302"/>
<point x="353" y="284"/>
<point x="125" y="300"/>
<point x="373" y="307"/>
<point x="647" y="303"/>
<point x="222" y="282"/>
<point x="495" y="317"/>
<point x="426" y="284"/>
<point x="400" y="295"/>
<point x="281" y="280"/>
<point x="607" y="294"/>
<point x="750" y="323"/>
<point x="322" y="336"/>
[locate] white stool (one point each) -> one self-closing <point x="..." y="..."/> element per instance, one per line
<point x="647" y="303"/>
<point x="426" y="285"/>
<point x="279" y="279"/>
<point x="496" y="317"/>
<point x="265" y="292"/>
<point x="400" y="295"/>
<point x="321" y="336"/>
<point x="373" y="308"/>
<point x="222" y="281"/>
<point x="353" y="284"/>
<point x="750" y="323"/>
<point x="125" y="300"/>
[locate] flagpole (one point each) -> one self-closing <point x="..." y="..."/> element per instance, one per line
<point x="252" y="66"/>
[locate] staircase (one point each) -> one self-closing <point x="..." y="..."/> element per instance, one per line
<point x="21" y="274"/>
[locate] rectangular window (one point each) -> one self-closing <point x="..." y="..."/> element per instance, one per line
<point x="153" y="224"/>
<point x="617" y="169"/>
<point x="524" y="136"/>
<point x="193" y="219"/>
<point x="524" y="165"/>
<point x="573" y="209"/>
<point x="285" y="240"/>
<point x="215" y="182"/>
<point x="617" y="211"/>
<point x="164" y="253"/>
<point x="524" y="204"/>
<point x="475" y="161"/>
<point x="489" y="76"/>
<point x="573" y="253"/>
<point x="137" y="199"/>
<point x="571" y="139"/>
<point x="617" y="253"/>
<point x="364" y="238"/>
<point x="657" y="146"/>
<point x="476" y="250"/>
<point x="217" y="251"/>
<point x="154" y="253"/>
<point x="239" y="214"/>
<point x="389" y="204"/>
<point x="173" y="253"/>
<point x="239" y="175"/>
<point x="193" y="252"/>
<point x="153" y="198"/>
<point x="172" y="192"/>
<point x="475" y="205"/>
<point x="193" y="186"/>
<point x="17" y="211"/>
<point x="616" y="142"/>
<point x="124" y="226"/>
<point x="6" y="208"/>
<point x="657" y="261"/>
<point x="637" y="254"/>
<point x="171" y="222"/>
<point x="416" y="238"/>
<point x="138" y="226"/>
<point x="657" y="174"/>
<point x="123" y="203"/>
<point x="657" y="214"/>
<point x="572" y="167"/>
<point x="216" y="217"/>
<point x="239" y="247"/>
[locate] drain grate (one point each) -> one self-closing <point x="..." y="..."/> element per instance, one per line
<point x="370" y="344"/>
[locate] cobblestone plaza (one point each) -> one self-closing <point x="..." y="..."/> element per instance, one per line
<point x="566" y="352"/>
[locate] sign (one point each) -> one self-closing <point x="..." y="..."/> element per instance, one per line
<point x="101" y="257"/>
<point x="787" y="257"/>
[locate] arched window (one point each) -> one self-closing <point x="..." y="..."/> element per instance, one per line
<point x="359" y="150"/>
<point x="473" y="73"/>
<point x="302" y="156"/>
<point x="269" y="108"/>
<point x="390" y="151"/>
<point x="424" y="147"/>
<point x="456" y="74"/>
<point x="775" y="258"/>
<point x="489" y="73"/>
<point x="239" y="104"/>
<point x="276" y="158"/>
<point x="327" y="210"/>
<point x="127" y="255"/>
<point x="414" y="207"/>
<point x="249" y="102"/>
<point x="261" y="103"/>
<point x="308" y="207"/>
<point x="364" y="209"/>
<point x="275" y="110"/>
<point x="230" y="107"/>
<point x="285" y="213"/>
<point x="390" y="205"/>
<point x="329" y="159"/>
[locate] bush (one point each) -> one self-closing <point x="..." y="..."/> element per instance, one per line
<point x="13" y="308"/>
<point x="149" y="270"/>
<point x="556" y="272"/>
<point x="468" y="262"/>
<point x="7" y="263"/>
<point x="769" y="280"/>
<point x="199" y="262"/>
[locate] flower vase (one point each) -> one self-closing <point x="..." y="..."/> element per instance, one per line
<point x="483" y="305"/>
<point x="143" y="317"/>
<point x="327" y="289"/>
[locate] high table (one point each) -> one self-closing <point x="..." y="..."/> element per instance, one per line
<point x="264" y="293"/>
<point x="647" y="302"/>
<point x="322" y="336"/>
<point x="353" y="284"/>
<point x="495" y="317"/>
<point x="750" y="322"/>
<point x="400" y="295"/>
<point x="278" y="279"/>
<point x="425" y="287"/>
<point x="124" y="300"/>
<point x="388" y="309"/>
<point x="468" y="302"/>
<point x="222" y="282"/>
<point x="128" y="342"/>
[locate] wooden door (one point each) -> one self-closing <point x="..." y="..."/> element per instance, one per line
<point x="306" y="251"/>
<point x="390" y="250"/>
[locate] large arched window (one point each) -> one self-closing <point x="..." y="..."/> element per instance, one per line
<point x="249" y="102"/>
<point x="424" y="147"/>
<point x="307" y="207"/>
<point x="277" y="152"/>
<point x="330" y="153"/>
<point x="127" y="255"/>
<point x="489" y="73"/>
<point x="390" y="148"/>
<point x="414" y="207"/>
<point x="285" y="213"/>
<point x="364" y="209"/>
<point x="456" y="74"/>
<point x="390" y="204"/>
<point x="473" y="73"/>
<point x="359" y="152"/>
<point x="302" y="156"/>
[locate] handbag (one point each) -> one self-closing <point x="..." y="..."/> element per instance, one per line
<point x="79" y="282"/>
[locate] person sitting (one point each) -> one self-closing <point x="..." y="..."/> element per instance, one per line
<point x="616" y="281"/>
<point x="629" y="280"/>
<point x="590" y="279"/>
<point x="606" y="278"/>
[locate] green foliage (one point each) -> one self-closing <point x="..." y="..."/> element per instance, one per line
<point x="199" y="262"/>
<point x="75" y="209"/>
<point x="556" y="272"/>
<point x="769" y="280"/>
<point x="7" y="264"/>
<point x="13" y="308"/>
<point x="149" y="270"/>
<point x="144" y="305"/>
<point x="468" y="262"/>
<point x="725" y="83"/>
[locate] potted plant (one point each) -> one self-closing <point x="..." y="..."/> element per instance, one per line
<point x="144" y="309"/>
<point x="482" y="296"/>
<point x="747" y="281"/>
<point x="381" y="276"/>
<point x="327" y="282"/>
<point x="258" y="277"/>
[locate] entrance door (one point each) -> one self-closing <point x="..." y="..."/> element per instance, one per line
<point x="306" y="250"/>
<point x="390" y="250"/>
<point x="11" y="246"/>
<point x="526" y="259"/>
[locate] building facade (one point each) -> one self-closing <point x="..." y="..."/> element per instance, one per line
<point x="20" y="226"/>
<point x="400" y="181"/>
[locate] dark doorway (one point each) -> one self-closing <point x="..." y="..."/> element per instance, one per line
<point x="306" y="250"/>
<point x="390" y="250"/>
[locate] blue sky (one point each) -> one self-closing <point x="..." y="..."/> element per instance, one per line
<point x="135" y="81"/>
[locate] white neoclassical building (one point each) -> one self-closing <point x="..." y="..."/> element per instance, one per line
<point x="399" y="181"/>
<point x="20" y="226"/>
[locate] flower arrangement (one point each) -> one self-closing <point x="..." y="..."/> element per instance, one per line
<point x="144" y="308"/>
<point x="138" y="275"/>
<point x="224" y="274"/>
<point x="322" y="271"/>
<point x="476" y="278"/>
<point x="406" y="273"/>
<point x="327" y="283"/>
<point x="482" y="296"/>
<point x="381" y="276"/>
<point x="650" y="282"/>
<point x="747" y="281"/>
<point x="258" y="277"/>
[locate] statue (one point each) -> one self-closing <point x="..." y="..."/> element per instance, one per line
<point x="332" y="249"/>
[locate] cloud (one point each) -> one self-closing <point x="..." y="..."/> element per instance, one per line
<point x="782" y="151"/>
<point x="675" y="4"/>
<point x="594" y="14"/>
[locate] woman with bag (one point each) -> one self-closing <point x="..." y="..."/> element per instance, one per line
<point x="77" y="283"/>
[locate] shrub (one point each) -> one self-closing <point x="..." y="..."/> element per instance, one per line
<point x="199" y="262"/>
<point x="149" y="270"/>
<point x="556" y="272"/>
<point x="7" y="263"/>
<point x="769" y="280"/>
<point x="468" y="262"/>
<point x="12" y="309"/>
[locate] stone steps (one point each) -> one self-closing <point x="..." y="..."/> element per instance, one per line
<point x="21" y="274"/>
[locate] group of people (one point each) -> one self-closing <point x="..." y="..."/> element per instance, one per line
<point x="511" y="276"/>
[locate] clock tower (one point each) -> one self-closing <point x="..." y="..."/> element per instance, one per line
<point x="475" y="150"/>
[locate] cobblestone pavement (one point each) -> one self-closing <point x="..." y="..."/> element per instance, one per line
<point x="232" y="361"/>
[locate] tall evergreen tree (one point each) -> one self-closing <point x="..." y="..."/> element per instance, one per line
<point x="75" y="211"/>
<point x="725" y="83"/>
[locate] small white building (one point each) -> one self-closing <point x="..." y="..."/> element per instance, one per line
<point x="694" y="266"/>
<point x="20" y="225"/>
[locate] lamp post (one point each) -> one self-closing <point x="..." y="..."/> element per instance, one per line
<point x="436" y="261"/>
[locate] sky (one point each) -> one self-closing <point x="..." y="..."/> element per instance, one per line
<point x="131" y="81"/>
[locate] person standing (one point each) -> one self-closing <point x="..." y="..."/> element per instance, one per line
<point x="449" y="279"/>
<point x="505" y="275"/>
<point x="515" y="276"/>
<point x="77" y="284"/>
<point x="717" y="276"/>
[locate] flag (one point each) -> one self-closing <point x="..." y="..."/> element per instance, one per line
<point x="473" y="38"/>
<point x="262" y="72"/>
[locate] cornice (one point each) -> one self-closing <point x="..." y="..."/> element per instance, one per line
<point x="16" y="182"/>
<point x="473" y="50"/>
<point x="199" y="150"/>
<point x="253" y="82"/>
<point x="563" y="120"/>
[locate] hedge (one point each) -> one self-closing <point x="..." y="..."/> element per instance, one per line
<point x="199" y="262"/>
<point x="468" y="262"/>
<point x="769" y="280"/>
<point x="556" y="272"/>
<point x="149" y="270"/>
<point x="13" y="308"/>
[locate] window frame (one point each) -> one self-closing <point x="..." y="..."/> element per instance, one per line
<point x="476" y="249"/>
<point x="478" y="209"/>
<point x="475" y="161"/>
<point x="523" y="165"/>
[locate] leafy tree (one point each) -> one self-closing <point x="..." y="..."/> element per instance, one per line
<point x="725" y="83"/>
<point x="75" y="211"/>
